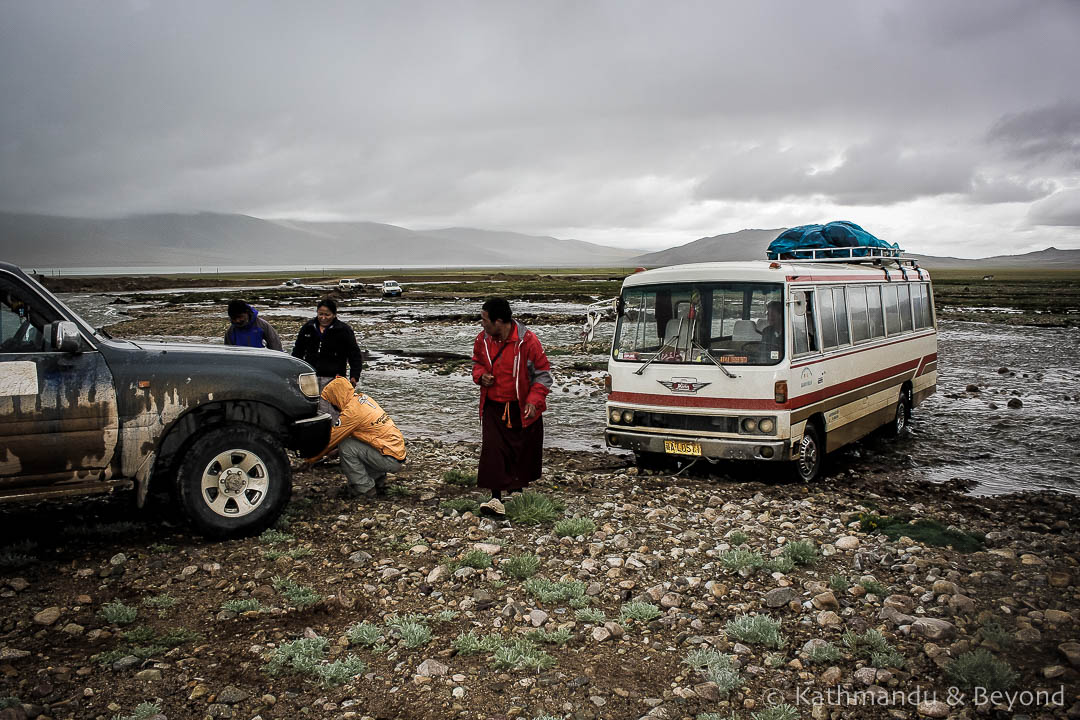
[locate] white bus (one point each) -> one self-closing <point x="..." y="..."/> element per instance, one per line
<point x="780" y="361"/>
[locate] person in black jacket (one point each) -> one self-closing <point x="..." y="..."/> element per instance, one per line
<point x="327" y="344"/>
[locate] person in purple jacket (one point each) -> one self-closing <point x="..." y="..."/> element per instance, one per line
<point x="248" y="329"/>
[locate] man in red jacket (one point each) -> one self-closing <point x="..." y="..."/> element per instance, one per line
<point x="514" y="376"/>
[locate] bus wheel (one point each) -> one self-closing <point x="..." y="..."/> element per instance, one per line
<point x="811" y="455"/>
<point x="902" y="415"/>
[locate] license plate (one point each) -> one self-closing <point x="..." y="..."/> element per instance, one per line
<point x="678" y="447"/>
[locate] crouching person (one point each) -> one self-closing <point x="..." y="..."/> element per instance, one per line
<point x="369" y="443"/>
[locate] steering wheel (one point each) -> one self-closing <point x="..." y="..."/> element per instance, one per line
<point x="751" y="346"/>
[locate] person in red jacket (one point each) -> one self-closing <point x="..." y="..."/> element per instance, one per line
<point x="514" y="376"/>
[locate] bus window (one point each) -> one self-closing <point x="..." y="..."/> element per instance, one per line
<point x="860" y="324"/>
<point x="828" y="322"/>
<point x="843" y="337"/>
<point x="905" y="308"/>
<point x="873" y="309"/>
<point x="921" y="298"/>
<point x="892" y="310"/>
<point x="805" y="336"/>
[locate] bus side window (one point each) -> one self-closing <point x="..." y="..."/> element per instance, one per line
<point x="803" y="327"/>
<point x="873" y="307"/>
<point x="860" y="323"/>
<point x="843" y="336"/>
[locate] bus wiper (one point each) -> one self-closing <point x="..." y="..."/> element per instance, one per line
<point x="668" y="342"/>
<point x="708" y="354"/>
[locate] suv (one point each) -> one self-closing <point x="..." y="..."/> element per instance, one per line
<point x="348" y="284"/>
<point x="82" y="412"/>
<point x="390" y="288"/>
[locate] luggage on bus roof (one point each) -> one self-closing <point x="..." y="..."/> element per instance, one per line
<point x="836" y="234"/>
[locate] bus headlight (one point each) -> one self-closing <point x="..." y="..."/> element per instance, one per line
<point x="615" y="415"/>
<point x="766" y="425"/>
<point x="628" y="417"/>
<point x="749" y="425"/>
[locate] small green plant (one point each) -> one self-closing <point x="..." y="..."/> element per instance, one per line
<point x="776" y="712"/>
<point x="759" y="629"/>
<point x="10" y="701"/>
<point x="162" y="603"/>
<point x="532" y="508"/>
<point x="117" y="613"/>
<point x="549" y="592"/>
<point x="522" y="654"/>
<point x="716" y="716"/>
<point x="740" y="560"/>
<point x="412" y="629"/>
<point x="873" y="645"/>
<point x="824" y="653"/>
<point x="142" y="712"/>
<point x="715" y="667"/>
<point x="306" y="657"/>
<point x="737" y="538"/>
<point x="575" y="526"/>
<point x="470" y="643"/>
<point x="242" y="605"/>
<point x="800" y="552"/>
<point x="590" y="615"/>
<point x="459" y="477"/>
<point x="873" y="587"/>
<point x="520" y="567"/>
<point x="275" y="537"/>
<point x="639" y="611"/>
<point x="299" y="596"/>
<point x="461" y="505"/>
<point x="839" y="583"/>
<point x="445" y="616"/>
<point x="780" y="564"/>
<point x="993" y="633"/>
<point x="477" y="559"/>
<point x="555" y="637"/>
<point x="399" y="491"/>
<point x="176" y="637"/>
<point x="160" y="547"/>
<point x="12" y="559"/>
<point x="775" y="660"/>
<point x="923" y="530"/>
<point x="979" y="669"/>
<point x="364" y="633"/>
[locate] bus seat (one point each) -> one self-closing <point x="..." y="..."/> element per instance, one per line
<point x="745" y="331"/>
<point x="680" y="325"/>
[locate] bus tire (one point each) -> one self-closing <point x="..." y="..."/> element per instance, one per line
<point x="234" y="480"/>
<point x="807" y="468"/>
<point x="902" y="416"/>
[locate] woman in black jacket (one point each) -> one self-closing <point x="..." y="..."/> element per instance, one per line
<point x="326" y="343"/>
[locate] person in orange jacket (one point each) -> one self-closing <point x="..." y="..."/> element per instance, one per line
<point x="369" y="442"/>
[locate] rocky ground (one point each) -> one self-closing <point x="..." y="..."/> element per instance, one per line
<point x="111" y="614"/>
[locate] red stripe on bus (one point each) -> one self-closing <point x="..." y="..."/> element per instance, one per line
<point x="826" y="393"/>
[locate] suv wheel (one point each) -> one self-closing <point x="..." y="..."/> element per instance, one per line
<point x="235" y="480"/>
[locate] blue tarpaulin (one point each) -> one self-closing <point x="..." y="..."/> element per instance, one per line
<point x="837" y="234"/>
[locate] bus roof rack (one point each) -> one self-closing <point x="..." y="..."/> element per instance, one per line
<point x="840" y="254"/>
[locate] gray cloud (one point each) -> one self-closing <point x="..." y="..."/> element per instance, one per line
<point x="671" y="120"/>
<point x="1060" y="209"/>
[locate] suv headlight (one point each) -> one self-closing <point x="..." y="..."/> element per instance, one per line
<point x="309" y="384"/>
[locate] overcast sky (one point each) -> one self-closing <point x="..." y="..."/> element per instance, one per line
<point x="952" y="128"/>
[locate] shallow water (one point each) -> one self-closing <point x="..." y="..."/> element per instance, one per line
<point x="996" y="449"/>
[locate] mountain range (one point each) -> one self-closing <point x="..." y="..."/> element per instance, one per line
<point x="207" y="239"/>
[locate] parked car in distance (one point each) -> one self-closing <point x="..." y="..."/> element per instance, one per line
<point x="390" y="288"/>
<point x="82" y="413"/>
<point x="349" y="284"/>
<point x="292" y="282"/>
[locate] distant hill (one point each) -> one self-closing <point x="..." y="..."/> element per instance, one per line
<point x="751" y="245"/>
<point x="241" y="240"/>
<point x="742" y="245"/>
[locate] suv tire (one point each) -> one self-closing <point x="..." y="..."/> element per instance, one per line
<point x="234" y="480"/>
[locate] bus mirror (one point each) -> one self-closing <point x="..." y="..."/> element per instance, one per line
<point x="798" y="304"/>
<point x="620" y="306"/>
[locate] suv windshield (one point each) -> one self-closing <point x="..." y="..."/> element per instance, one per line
<point x="736" y="323"/>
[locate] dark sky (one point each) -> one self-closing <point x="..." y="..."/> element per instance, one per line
<point x="950" y="127"/>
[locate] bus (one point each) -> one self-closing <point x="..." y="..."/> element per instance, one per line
<point x="778" y="361"/>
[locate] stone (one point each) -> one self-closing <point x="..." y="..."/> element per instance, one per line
<point x="615" y="629"/>
<point x="360" y="558"/>
<point x="148" y="675"/>
<point x="12" y="654"/>
<point x="933" y="709"/>
<point x="904" y="603"/>
<point x="232" y="695"/>
<point x="933" y="629"/>
<point x="600" y="634"/>
<point x="432" y="668"/>
<point x="1059" y="579"/>
<point x="944" y="587"/>
<point x="779" y="597"/>
<point x="846" y="542"/>
<point x="826" y="601"/>
<point x="537" y="618"/>
<point x="438" y="573"/>
<point x="1071" y="651"/>
<point x="489" y="548"/>
<point x="827" y="618"/>
<point x="1058" y="617"/>
<point x="47" y="616"/>
<point x="832" y="676"/>
<point x="866" y="675"/>
<point x="962" y="604"/>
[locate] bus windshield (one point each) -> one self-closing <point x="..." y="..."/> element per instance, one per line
<point x="736" y="323"/>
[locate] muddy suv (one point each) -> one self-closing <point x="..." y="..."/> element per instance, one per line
<point x="82" y="412"/>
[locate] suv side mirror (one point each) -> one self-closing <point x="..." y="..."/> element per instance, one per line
<point x="66" y="337"/>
